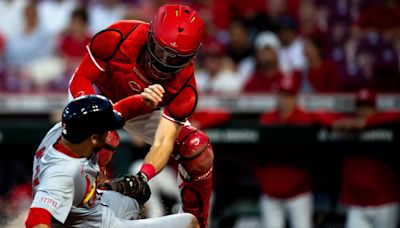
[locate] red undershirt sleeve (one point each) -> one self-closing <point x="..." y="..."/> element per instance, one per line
<point x="84" y="77"/>
<point x="38" y="216"/>
<point x="132" y="106"/>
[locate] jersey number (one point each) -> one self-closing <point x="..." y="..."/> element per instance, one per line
<point x="39" y="155"/>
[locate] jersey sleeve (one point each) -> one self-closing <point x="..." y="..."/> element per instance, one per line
<point x="182" y="105"/>
<point x="38" y="216"/>
<point x="83" y="78"/>
<point x="132" y="106"/>
<point x="268" y="118"/>
<point x="210" y="117"/>
<point x="56" y="196"/>
<point x="325" y="118"/>
<point x="100" y="50"/>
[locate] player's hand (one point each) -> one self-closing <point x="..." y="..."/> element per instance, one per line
<point x="146" y="192"/>
<point x="153" y="95"/>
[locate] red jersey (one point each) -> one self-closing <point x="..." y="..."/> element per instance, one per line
<point x="259" y="83"/>
<point x="369" y="181"/>
<point x="113" y="67"/>
<point x="282" y="179"/>
<point x="325" y="77"/>
<point x="73" y="48"/>
<point x="380" y="16"/>
<point x="366" y="180"/>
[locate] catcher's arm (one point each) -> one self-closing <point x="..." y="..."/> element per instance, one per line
<point x="161" y="150"/>
<point x="83" y="78"/>
<point x="139" y="104"/>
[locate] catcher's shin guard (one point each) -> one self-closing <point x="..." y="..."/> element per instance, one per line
<point x="194" y="153"/>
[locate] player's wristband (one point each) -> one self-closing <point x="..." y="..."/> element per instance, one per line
<point x="148" y="170"/>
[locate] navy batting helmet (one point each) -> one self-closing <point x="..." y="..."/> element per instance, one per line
<point x="89" y="115"/>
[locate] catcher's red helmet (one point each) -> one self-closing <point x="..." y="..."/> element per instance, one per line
<point x="174" y="38"/>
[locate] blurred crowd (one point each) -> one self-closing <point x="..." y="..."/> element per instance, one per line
<point x="326" y="46"/>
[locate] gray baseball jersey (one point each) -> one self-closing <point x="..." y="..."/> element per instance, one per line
<point x="65" y="185"/>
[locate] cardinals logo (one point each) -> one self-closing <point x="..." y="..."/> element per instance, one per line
<point x="90" y="193"/>
<point x="135" y="87"/>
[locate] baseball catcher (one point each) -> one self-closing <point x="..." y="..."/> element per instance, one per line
<point x="129" y="56"/>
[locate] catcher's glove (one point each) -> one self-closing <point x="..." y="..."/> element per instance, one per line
<point x="130" y="185"/>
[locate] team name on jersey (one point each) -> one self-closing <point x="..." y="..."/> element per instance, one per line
<point x="49" y="201"/>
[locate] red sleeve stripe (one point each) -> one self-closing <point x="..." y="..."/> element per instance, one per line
<point x="70" y="95"/>
<point x="38" y="216"/>
<point x="172" y="119"/>
<point x="94" y="60"/>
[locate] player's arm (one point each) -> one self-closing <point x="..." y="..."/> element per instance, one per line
<point x="100" y="50"/>
<point x="376" y="120"/>
<point x="161" y="150"/>
<point x="175" y="114"/>
<point x="140" y="104"/>
<point x="38" y="218"/>
<point x="136" y="186"/>
<point x="83" y="78"/>
<point x="53" y="199"/>
<point x="326" y="119"/>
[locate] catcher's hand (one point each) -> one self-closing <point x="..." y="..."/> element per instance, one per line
<point x="130" y="185"/>
<point x="153" y="95"/>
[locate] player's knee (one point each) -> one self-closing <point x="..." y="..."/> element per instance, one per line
<point x="191" y="199"/>
<point x="192" y="221"/>
<point x="187" y="220"/>
<point x="193" y="151"/>
<point x="190" y="143"/>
